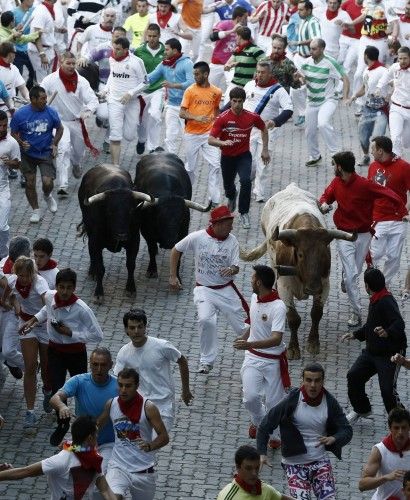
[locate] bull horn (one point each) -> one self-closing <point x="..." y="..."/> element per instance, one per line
<point x="342" y="235"/>
<point x="197" y="206"/>
<point x="285" y="234"/>
<point x="286" y="270"/>
<point x="138" y="196"/>
<point x="94" y="199"/>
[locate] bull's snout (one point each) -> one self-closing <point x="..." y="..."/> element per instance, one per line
<point x="121" y="237"/>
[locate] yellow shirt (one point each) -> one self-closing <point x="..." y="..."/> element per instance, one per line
<point x="137" y="25"/>
<point x="201" y="101"/>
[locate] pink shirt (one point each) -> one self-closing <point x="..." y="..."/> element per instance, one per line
<point x="224" y="47"/>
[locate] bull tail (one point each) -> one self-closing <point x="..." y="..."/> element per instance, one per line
<point x="81" y="231"/>
<point x="254" y="254"/>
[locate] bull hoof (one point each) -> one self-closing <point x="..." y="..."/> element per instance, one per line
<point x="151" y="274"/>
<point x="313" y="347"/>
<point x="130" y="293"/>
<point x="98" y="300"/>
<point x="293" y="352"/>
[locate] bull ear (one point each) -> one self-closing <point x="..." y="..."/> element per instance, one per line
<point x="286" y="270"/>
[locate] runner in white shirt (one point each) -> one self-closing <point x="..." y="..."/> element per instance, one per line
<point x="46" y="266"/>
<point x="151" y="358"/>
<point x="216" y="254"/>
<point x="10" y="75"/>
<point x="71" y="473"/>
<point x="404" y="26"/>
<point x="331" y="18"/>
<point x="264" y="371"/>
<point x="126" y="82"/>
<point x="42" y="54"/>
<point x="97" y="34"/>
<point x="75" y="101"/>
<point x="9" y="158"/>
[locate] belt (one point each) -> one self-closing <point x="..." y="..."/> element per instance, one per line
<point x="400" y="105"/>
<point x="150" y="470"/>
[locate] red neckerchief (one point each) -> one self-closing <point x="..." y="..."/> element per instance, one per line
<point x="50" y="8"/>
<point x="118" y="59"/>
<point x="268" y="298"/>
<point x="275" y="58"/>
<point x="172" y="60"/>
<point x="64" y="303"/>
<point x="132" y="409"/>
<point x="69" y="81"/>
<point x="312" y="401"/>
<point x="404" y="18"/>
<point x="251" y="489"/>
<point x="23" y="290"/>
<point x="271" y="82"/>
<point x="4" y="63"/>
<point x="374" y="65"/>
<point x="163" y="19"/>
<point x="211" y="232"/>
<point x="331" y="14"/>
<point x="379" y="295"/>
<point x="405" y="69"/>
<point x="108" y="30"/>
<point x="8" y="266"/>
<point x="389" y="444"/>
<point x="51" y="264"/>
<point x="242" y="47"/>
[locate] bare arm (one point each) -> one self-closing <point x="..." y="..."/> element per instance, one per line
<point x="32" y="470"/>
<point x="104" y="489"/>
<point x="346" y="87"/>
<point x="369" y="481"/>
<point x="174" y="282"/>
<point x="187" y="396"/>
<point x="58" y="402"/>
<point x="265" y="142"/>
<point x="24" y="92"/>
<point x="155" y="420"/>
<point x="242" y="343"/>
<point x="105" y="415"/>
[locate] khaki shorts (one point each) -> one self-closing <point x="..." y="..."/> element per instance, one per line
<point x="46" y="165"/>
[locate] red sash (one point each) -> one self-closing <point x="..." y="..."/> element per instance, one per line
<point x="283" y="364"/>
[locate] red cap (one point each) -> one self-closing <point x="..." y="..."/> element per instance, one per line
<point x="220" y="213"/>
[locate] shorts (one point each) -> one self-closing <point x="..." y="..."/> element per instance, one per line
<point x="141" y="485"/>
<point x="38" y="332"/>
<point x="46" y="165"/>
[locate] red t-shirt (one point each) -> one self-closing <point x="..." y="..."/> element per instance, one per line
<point x="237" y="128"/>
<point x="394" y="174"/>
<point x="354" y="12"/>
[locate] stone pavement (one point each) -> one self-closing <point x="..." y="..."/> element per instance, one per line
<point x="198" y="462"/>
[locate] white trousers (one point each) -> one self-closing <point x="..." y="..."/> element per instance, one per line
<point x="217" y="76"/>
<point x="149" y="130"/>
<point x="318" y="120"/>
<point x="191" y="47"/>
<point x="105" y="450"/>
<point x="207" y="22"/>
<point x="348" y="57"/>
<point x="35" y="60"/>
<point x="123" y="119"/>
<point x="298" y="96"/>
<point x="387" y="244"/>
<point x="265" y="43"/>
<point x="71" y="150"/>
<point x="141" y="486"/>
<point x="262" y="386"/>
<point x="352" y="255"/>
<point x="194" y="144"/>
<point x="399" y="124"/>
<point x="10" y="341"/>
<point x="260" y="171"/>
<point x="209" y="303"/>
<point x="5" y="205"/>
<point x="174" y="127"/>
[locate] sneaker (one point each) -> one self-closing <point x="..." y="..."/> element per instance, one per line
<point x="61" y="430"/>
<point x="204" y="368"/>
<point x="299" y="121"/>
<point x="252" y="431"/>
<point x="140" y="148"/>
<point x="35" y="216"/>
<point x="364" y="161"/>
<point x="30" y="421"/>
<point x="274" y="444"/>
<point x="246" y="223"/>
<point x="214" y="204"/>
<point x="15" y="371"/>
<point x="354" y="320"/>
<point x="232" y="204"/>
<point x="77" y="171"/>
<point x="353" y="416"/>
<point x="51" y="204"/>
<point x="23" y="181"/>
<point x="312" y="162"/>
<point x="46" y="401"/>
<point x="13" y="173"/>
<point x="259" y="199"/>
<point x="62" y="191"/>
<point x="106" y="147"/>
<point x="343" y="286"/>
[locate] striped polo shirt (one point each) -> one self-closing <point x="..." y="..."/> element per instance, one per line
<point x="308" y="28"/>
<point x="246" y="64"/>
<point x="321" y="79"/>
<point x="271" y="20"/>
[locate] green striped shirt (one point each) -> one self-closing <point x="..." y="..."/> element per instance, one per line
<point x="246" y="64"/>
<point x="321" y="79"/>
<point x="308" y="28"/>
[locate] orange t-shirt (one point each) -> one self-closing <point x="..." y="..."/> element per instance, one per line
<point x="201" y="101"/>
<point x="191" y="12"/>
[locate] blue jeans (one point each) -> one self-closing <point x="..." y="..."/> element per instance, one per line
<point x="22" y="60"/>
<point x="372" y="123"/>
<point x="241" y="165"/>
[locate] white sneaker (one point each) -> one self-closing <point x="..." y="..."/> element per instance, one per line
<point x="353" y="416"/>
<point x="246" y="223"/>
<point x="354" y="320"/>
<point x="51" y="204"/>
<point x="35" y="216"/>
<point x="204" y="368"/>
<point x="77" y="171"/>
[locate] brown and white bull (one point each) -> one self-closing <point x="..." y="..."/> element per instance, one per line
<point x="298" y="245"/>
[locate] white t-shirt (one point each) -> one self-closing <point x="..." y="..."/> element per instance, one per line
<point x="371" y="79"/>
<point x="33" y="303"/>
<point x="167" y="32"/>
<point x="11" y="78"/>
<point x="211" y="255"/>
<point x="278" y="101"/>
<point x="331" y="30"/>
<point x="42" y="19"/>
<point x="50" y="276"/>
<point x="404" y="29"/>
<point x="391" y="461"/>
<point x="92" y="37"/>
<point x="311" y="423"/>
<point x="153" y="363"/>
<point x="126" y="76"/>
<point x="57" y="469"/>
<point x="8" y="147"/>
